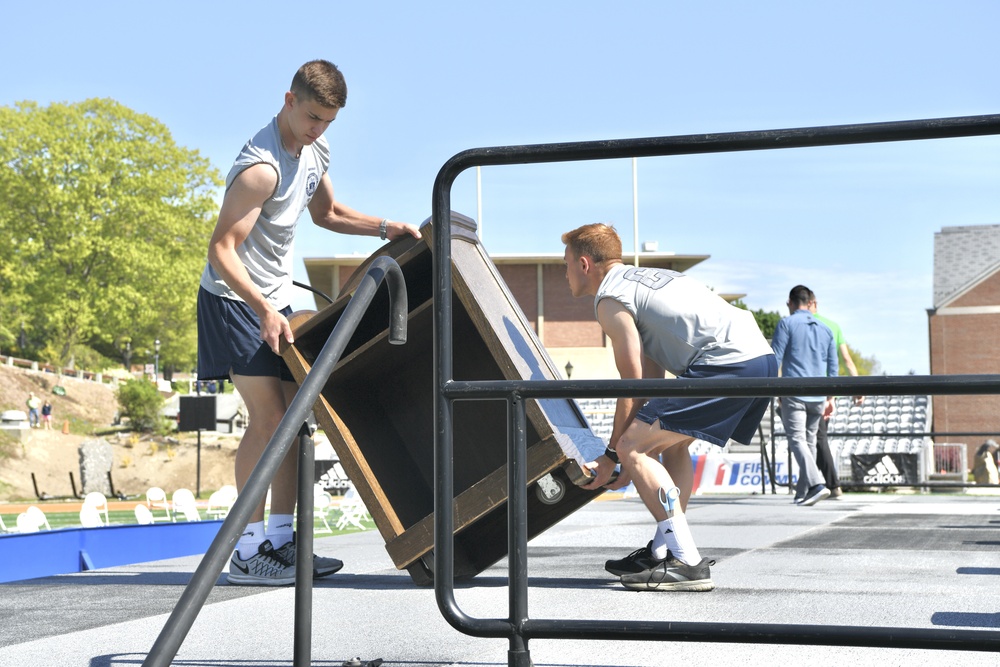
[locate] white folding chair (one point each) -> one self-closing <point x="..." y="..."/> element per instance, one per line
<point x="322" y="504"/>
<point x="352" y="511"/>
<point x="156" y="499"/>
<point x="95" y="504"/>
<point x="221" y="501"/>
<point x="185" y="505"/>
<point x="25" y="524"/>
<point x="31" y="520"/>
<point x="143" y="515"/>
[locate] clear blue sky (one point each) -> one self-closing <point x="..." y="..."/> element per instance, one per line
<point x="427" y="80"/>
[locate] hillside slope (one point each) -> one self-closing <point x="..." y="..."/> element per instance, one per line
<point x="138" y="462"/>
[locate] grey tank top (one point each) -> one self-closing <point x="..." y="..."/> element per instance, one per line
<point x="681" y="322"/>
<point x="268" y="252"/>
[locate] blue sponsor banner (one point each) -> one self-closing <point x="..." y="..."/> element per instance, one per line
<point x="753" y="474"/>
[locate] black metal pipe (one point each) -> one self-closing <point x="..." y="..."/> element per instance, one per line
<point x="447" y="389"/>
<point x="728" y="387"/>
<point x="518" y="654"/>
<point x="193" y="598"/>
<point x="767" y="633"/>
<point x="302" y="652"/>
<point x="723" y="142"/>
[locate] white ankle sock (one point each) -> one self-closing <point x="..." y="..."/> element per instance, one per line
<point x="678" y="539"/>
<point x="673" y="532"/>
<point x="279" y="529"/>
<point x="252" y="537"/>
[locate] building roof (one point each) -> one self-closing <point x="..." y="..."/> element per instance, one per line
<point x="963" y="257"/>
<point x="320" y="269"/>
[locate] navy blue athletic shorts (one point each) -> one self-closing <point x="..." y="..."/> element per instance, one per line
<point x="229" y="341"/>
<point x="715" y="420"/>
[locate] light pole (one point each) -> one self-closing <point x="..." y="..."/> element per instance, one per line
<point x="569" y="369"/>
<point x="156" y="361"/>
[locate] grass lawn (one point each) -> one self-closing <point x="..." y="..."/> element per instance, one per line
<point x="125" y="517"/>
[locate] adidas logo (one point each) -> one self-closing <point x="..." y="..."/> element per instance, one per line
<point x="884" y="472"/>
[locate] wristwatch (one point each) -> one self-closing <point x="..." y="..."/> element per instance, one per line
<point x="383" y="228"/>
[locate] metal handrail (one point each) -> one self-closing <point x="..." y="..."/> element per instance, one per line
<point x="169" y="641"/>
<point x="518" y="627"/>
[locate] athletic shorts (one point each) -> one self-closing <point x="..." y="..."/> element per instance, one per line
<point x="229" y="341"/>
<point x="716" y="420"/>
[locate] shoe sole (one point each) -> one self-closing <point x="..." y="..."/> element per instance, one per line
<point x="808" y="502"/>
<point x="697" y="585"/>
<point x="250" y="580"/>
<point x="619" y="572"/>
<point x="317" y="574"/>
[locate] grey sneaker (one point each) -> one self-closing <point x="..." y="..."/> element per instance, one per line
<point x="322" y="566"/>
<point x="265" y="568"/>
<point x="637" y="561"/>
<point x="814" y="495"/>
<point x="671" y="574"/>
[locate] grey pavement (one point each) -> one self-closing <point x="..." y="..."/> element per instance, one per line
<point x="884" y="560"/>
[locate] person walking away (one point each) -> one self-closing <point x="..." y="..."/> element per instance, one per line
<point x="804" y="347"/>
<point x="824" y="455"/>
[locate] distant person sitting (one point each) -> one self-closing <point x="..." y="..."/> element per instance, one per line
<point x="824" y="456"/>
<point x="804" y="348"/>
<point x="985" y="470"/>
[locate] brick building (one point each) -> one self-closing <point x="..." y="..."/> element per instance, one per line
<point x="961" y="324"/>
<point x="566" y="326"/>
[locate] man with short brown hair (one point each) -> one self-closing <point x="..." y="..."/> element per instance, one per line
<point x="245" y="295"/>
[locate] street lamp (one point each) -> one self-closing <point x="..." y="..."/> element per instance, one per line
<point x="569" y="369"/>
<point x="156" y="361"/>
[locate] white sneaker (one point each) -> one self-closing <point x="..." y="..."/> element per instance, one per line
<point x="265" y="568"/>
<point x="322" y="566"/>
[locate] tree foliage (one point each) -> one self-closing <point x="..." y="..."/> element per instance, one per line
<point x="865" y="365"/>
<point x="104" y="227"/>
<point x="141" y="403"/>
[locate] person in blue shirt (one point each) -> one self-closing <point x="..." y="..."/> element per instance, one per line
<point x="804" y="347"/>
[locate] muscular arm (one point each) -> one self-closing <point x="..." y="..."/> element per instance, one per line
<point x="619" y="326"/>
<point x="330" y="214"/>
<point x="240" y="210"/>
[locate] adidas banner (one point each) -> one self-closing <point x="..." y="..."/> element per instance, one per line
<point x="885" y="469"/>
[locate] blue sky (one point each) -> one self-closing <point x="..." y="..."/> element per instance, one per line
<point x="427" y="80"/>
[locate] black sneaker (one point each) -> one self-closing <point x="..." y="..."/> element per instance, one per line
<point x="637" y="561"/>
<point x="814" y="495"/>
<point x="264" y="568"/>
<point x="322" y="566"/>
<point x="671" y="574"/>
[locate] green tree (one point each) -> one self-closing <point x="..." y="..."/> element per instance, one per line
<point x="865" y="365"/>
<point x="104" y="227"/>
<point x="141" y="403"/>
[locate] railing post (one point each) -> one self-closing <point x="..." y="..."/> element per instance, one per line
<point x="517" y="542"/>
